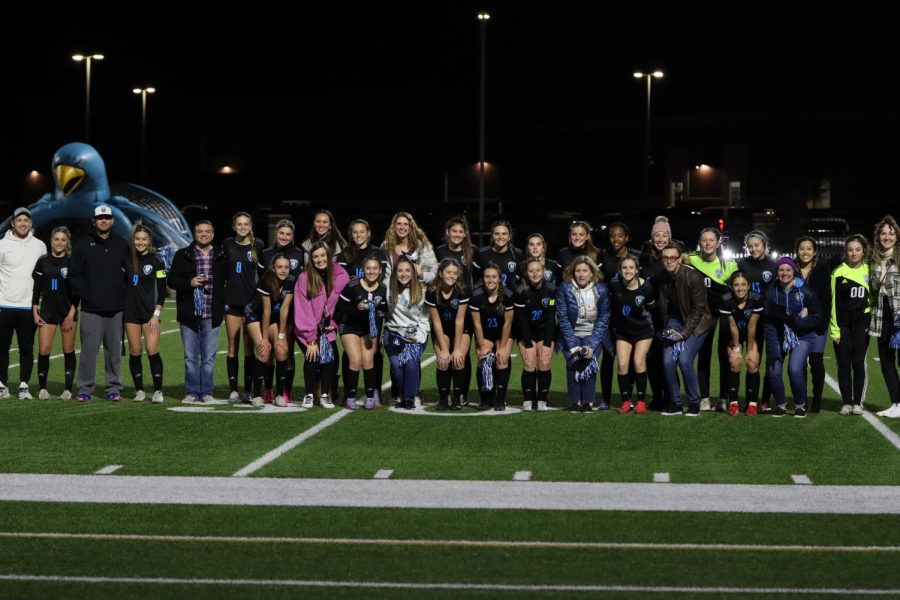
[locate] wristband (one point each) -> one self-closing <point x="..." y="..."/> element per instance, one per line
<point x="280" y="336"/>
<point x="156" y="313"/>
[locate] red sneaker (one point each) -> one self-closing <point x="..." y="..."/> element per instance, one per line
<point x="268" y="397"/>
<point x="287" y="397"/>
<point x="764" y="407"/>
<point x="641" y="407"/>
<point x="625" y="408"/>
<point x="733" y="408"/>
<point x="751" y="409"/>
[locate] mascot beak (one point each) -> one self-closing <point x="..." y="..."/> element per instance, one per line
<point x="68" y="178"/>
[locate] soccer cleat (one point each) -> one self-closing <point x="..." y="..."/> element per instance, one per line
<point x="257" y="401"/>
<point x="43" y="395"/>
<point x="234" y="397"/>
<point x="66" y="395"/>
<point x="307" y="401"/>
<point x="751" y="409"/>
<point x="371" y="403"/>
<point x="800" y="412"/>
<point x="778" y="412"/>
<point x="846" y="409"/>
<point x="157" y="397"/>
<point x="640" y="408"/>
<point x="526" y="405"/>
<point x="268" y="396"/>
<point x="733" y="408"/>
<point x="704" y="404"/>
<point x="693" y="410"/>
<point x="139" y="396"/>
<point x="83" y="398"/>
<point x="325" y="401"/>
<point x="114" y="397"/>
<point x="24" y="394"/>
<point x="542" y="406"/>
<point x="625" y="408"/>
<point x="350" y="403"/>
<point x="672" y="409"/>
<point x="858" y="409"/>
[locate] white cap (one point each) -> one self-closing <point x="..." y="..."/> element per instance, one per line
<point x="102" y="210"/>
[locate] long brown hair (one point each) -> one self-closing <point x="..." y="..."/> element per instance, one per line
<point x="135" y="259"/>
<point x="458" y="287"/>
<point x="351" y="249"/>
<point x="315" y="281"/>
<point x="331" y="238"/>
<point x="415" y="239"/>
<point x="269" y="281"/>
<point x="250" y="235"/>
<point x="467" y="249"/>
<point x="415" y="286"/>
<point x="589" y="249"/>
<point x="65" y="230"/>
<point x="892" y="223"/>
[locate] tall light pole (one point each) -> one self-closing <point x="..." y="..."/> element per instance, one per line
<point x="483" y="18"/>
<point x="648" y="156"/>
<point x="143" y="94"/>
<point x="87" y="59"/>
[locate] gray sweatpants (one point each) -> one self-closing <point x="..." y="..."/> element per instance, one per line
<point x="94" y="330"/>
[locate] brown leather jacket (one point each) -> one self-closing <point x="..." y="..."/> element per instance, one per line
<point x="692" y="301"/>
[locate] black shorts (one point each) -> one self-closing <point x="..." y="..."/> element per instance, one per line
<point x="634" y="339"/>
<point x="353" y="329"/>
<point x="235" y="311"/>
<point x="57" y="320"/>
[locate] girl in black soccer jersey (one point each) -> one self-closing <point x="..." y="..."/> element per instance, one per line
<point x="632" y="326"/>
<point x="359" y="249"/>
<point x="536" y="247"/>
<point x="580" y="244"/>
<point x="761" y="272"/>
<point x="284" y="245"/>
<point x="267" y="317"/>
<point x="55" y="306"/>
<point x="244" y="254"/>
<point x="535" y="313"/>
<point x="740" y="311"/>
<point x="447" y="301"/>
<point x="619" y="236"/>
<point x="324" y="229"/>
<point x="144" y="298"/>
<point x="361" y="309"/>
<point x="501" y="253"/>
<point x="849" y="322"/>
<point x="491" y="305"/>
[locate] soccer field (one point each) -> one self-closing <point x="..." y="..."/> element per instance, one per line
<point x="252" y="503"/>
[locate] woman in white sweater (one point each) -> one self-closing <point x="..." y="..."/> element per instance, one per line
<point x="406" y="329"/>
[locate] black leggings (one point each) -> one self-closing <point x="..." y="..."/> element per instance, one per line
<point x="704" y="362"/>
<point x="851" y="360"/>
<point x="22" y="323"/>
<point x="315" y="372"/>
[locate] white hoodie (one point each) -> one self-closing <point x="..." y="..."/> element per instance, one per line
<point x="17" y="259"/>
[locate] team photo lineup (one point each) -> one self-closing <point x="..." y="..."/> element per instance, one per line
<point x="649" y="316"/>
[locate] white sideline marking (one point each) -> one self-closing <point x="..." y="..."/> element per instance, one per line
<point x="801" y="479"/>
<point x="292" y="443"/>
<point x="661" y="478"/>
<point x="78" y="351"/>
<point x="402" y="585"/>
<point x="522" y="476"/>
<point x="384" y="473"/>
<point x="451" y="494"/>
<point x="871" y="419"/>
<point x="108" y="469"/>
<point x="229" y="539"/>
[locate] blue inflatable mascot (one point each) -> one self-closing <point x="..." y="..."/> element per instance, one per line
<point x="81" y="185"/>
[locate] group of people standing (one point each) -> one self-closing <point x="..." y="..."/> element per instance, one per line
<point x="653" y="313"/>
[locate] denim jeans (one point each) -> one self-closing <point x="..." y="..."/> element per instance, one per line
<point x="584" y="392"/>
<point x="685" y="362"/>
<point x="796" y="361"/>
<point x="405" y="378"/>
<point x="199" y="357"/>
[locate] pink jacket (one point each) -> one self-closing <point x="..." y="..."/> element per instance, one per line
<point x="308" y="313"/>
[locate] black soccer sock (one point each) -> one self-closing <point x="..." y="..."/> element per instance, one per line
<point x="156" y="371"/>
<point x="137" y="372"/>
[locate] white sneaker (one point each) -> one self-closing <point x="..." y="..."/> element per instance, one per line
<point x="418" y="402"/>
<point x="846" y="409"/>
<point x="66" y="395"/>
<point x="139" y="396"/>
<point x="234" y="397"/>
<point x="307" y="401"/>
<point x="257" y="401"/>
<point x="279" y="401"/>
<point x="43" y="395"/>
<point x="893" y="412"/>
<point x="542" y="405"/>
<point x="157" y="398"/>
<point x="526" y="405"/>
<point x="704" y="404"/>
<point x="4" y="391"/>
<point x="24" y="394"/>
<point x="189" y="399"/>
<point x="208" y="398"/>
<point x="858" y="409"/>
<point x="325" y="401"/>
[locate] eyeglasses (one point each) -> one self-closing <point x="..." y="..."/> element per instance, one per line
<point x="670" y="258"/>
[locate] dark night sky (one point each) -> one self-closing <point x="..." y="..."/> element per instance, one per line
<point x="345" y="104"/>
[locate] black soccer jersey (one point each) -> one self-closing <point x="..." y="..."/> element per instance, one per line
<point x="631" y="319"/>
<point x="552" y="271"/>
<point x="146" y="288"/>
<point x="535" y="313"/>
<point x="51" y="289"/>
<point x="610" y="263"/>
<point x="491" y="314"/>
<point x="760" y="273"/>
<point x="292" y="253"/>
<point x="753" y="305"/>
<point x="242" y="277"/>
<point x="254" y="309"/>
<point x="355" y="267"/>
<point x="443" y="251"/>
<point x="447" y="308"/>
<point x="353" y="320"/>
<point x="507" y="261"/>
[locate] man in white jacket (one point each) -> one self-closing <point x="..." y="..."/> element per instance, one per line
<point x="19" y="252"/>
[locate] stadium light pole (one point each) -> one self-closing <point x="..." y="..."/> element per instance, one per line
<point x="87" y="59"/>
<point x="648" y="156"/>
<point x="143" y="94"/>
<point x="483" y="18"/>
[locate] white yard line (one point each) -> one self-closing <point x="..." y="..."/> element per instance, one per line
<point x="522" y="476"/>
<point x="871" y="419"/>
<point x="661" y="478"/>
<point x="402" y="585"/>
<point x="383" y="474"/>
<point x="108" y="470"/>
<point x="447" y="494"/>
<point x="524" y="544"/>
<point x="801" y="479"/>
